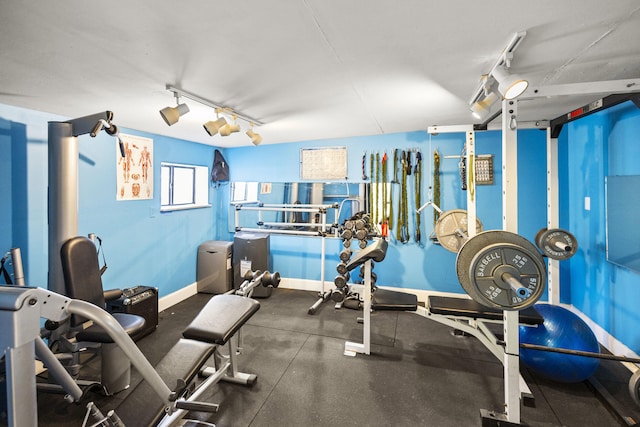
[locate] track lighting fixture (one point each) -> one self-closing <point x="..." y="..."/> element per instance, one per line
<point x="499" y="81"/>
<point x="256" y="139"/>
<point x="171" y="115"/>
<point x="230" y="128"/>
<point x="510" y="85"/>
<point x="212" y="127"/>
<point x="481" y="104"/>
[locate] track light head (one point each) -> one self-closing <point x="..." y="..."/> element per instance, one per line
<point x="229" y="128"/>
<point x="482" y="107"/>
<point x="256" y="139"/>
<point x="510" y="85"/>
<point x="171" y="115"/>
<point x="212" y="127"/>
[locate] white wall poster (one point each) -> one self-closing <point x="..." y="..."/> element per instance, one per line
<point x="134" y="177"/>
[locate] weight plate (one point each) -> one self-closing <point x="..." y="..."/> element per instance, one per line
<point x="452" y="229"/>
<point x="557" y="243"/>
<point x="634" y="387"/>
<point x="502" y="270"/>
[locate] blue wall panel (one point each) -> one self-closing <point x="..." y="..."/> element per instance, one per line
<point x="599" y="145"/>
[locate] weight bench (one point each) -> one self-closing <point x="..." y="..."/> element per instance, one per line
<point x="471" y="317"/>
<point x="214" y="326"/>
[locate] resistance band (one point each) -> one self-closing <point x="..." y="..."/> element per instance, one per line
<point x="384" y="187"/>
<point x="436" y="186"/>
<point x="372" y="189"/>
<point x="417" y="180"/>
<point x="402" y="232"/>
<point x="376" y="220"/>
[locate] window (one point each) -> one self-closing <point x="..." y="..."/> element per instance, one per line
<point x="244" y="192"/>
<point x="183" y="186"/>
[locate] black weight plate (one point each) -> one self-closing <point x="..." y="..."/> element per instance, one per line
<point x="486" y="260"/>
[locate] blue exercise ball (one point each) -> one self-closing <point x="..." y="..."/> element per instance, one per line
<point x="561" y="329"/>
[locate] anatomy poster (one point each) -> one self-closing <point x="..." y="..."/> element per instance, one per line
<point x="135" y="169"/>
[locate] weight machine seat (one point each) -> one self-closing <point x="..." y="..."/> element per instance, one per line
<point x="220" y="318"/>
<point x="463" y="307"/>
<point x="131" y="324"/>
<point x="384" y="299"/>
<point x="142" y="407"/>
<point x="82" y="280"/>
<point x="376" y="251"/>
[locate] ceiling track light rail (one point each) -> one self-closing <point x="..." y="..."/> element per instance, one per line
<point x="216" y="106"/>
<point x="220" y="126"/>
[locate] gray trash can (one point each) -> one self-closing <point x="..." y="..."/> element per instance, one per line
<point x="215" y="270"/>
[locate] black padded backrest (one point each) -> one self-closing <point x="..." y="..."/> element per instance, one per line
<point x="81" y="271"/>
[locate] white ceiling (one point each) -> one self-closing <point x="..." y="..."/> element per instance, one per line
<point x="309" y="69"/>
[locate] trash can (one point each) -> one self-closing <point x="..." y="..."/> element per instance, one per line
<point x="215" y="270"/>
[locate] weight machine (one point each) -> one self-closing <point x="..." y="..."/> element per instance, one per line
<point x="322" y="229"/>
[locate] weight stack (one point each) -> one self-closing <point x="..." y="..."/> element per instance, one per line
<point x="139" y="300"/>
<point x="251" y="252"/>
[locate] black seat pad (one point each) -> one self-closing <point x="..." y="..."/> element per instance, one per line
<point x="143" y="407"/>
<point x="220" y="318"/>
<point x="376" y="251"/>
<point x="463" y="307"/>
<point x="384" y="299"/>
<point x="131" y="324"/>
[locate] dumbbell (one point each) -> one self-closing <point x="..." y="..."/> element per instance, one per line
<point x="271" y="279"/>
<point x="345" y="255"/>
<point x="341" y="268"/>
<point x="341" y="280"/>
<point x="346" y="234"/>
<point x="361" y="234"/>
<point x="339" y="294"/>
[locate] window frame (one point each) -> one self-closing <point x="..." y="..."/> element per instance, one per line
<point x="199" y="188"/>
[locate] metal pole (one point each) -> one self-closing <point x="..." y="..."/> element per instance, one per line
<point x="63" y="196"/>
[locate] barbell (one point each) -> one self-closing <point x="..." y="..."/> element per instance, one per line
<point x="500" y="269"/>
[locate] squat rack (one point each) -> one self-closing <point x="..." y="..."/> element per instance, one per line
<point x="509" y="112"/>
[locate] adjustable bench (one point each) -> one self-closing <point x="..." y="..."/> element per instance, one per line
<point x="213" y="327"/>
<point x="471" y="317"/>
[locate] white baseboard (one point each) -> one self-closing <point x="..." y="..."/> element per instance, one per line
<point x="177" y="296"/>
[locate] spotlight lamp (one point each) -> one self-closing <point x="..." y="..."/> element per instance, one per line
<point x="229" y="128"/>
<point x="510" y="85"/>
<point x="256" y="138"/>
<point x="213" y="126"/>
<point x="171" y="115"/>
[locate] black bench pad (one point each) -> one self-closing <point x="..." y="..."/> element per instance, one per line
<point x="384" y="299"/>
<point x="376" y="251"/>
<point x="462" y="307"/>
<point x="220" y="318"/>
<point x="143" y="407"/>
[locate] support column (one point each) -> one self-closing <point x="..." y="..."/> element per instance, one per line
<point x="63" y="196"/>
<point x="553" y="215"/>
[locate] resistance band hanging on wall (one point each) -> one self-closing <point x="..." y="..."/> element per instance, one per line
<point x="385" y="192"/>
<point x="436" y="186"/>
<point x="372" y="190"/>
<point x="402" y="232"/>
<point x="417" y="179"/>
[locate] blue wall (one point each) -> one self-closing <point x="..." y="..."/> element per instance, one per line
<point x="419" y="266"/>
<point x="142" y="245"/>
<point x="599" y="145"/>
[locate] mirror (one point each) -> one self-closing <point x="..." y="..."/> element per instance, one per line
<point x="344" y="200"/>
